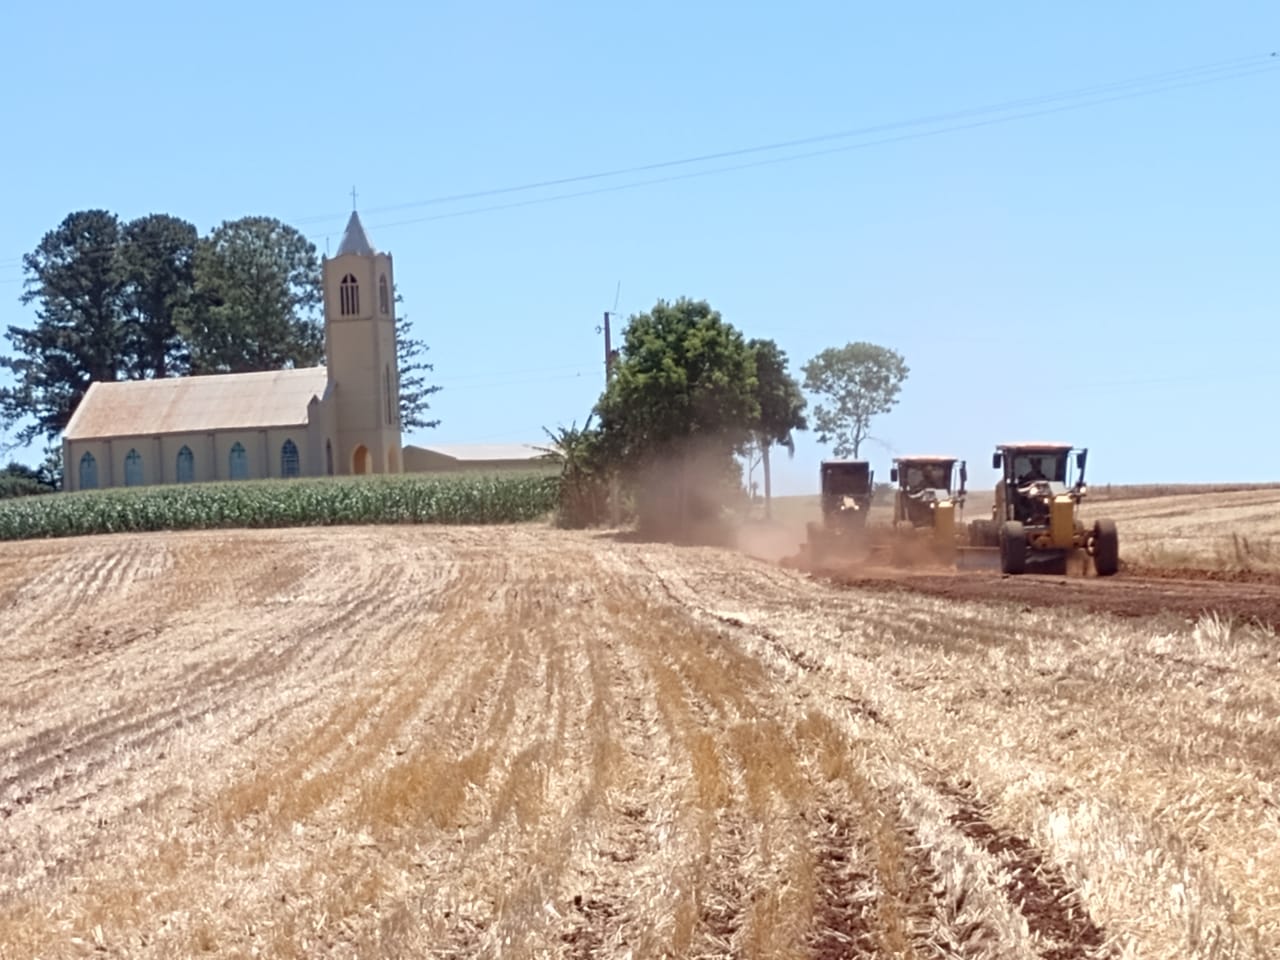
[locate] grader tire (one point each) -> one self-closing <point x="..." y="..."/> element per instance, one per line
<point x="1013" y="548"/>
<point x="815" y="544"/>
<point x="1106" y="548"/>
<point x="982" y="533"/>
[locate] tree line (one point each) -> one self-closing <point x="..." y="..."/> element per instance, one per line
<point x="688" y="395"/>
<point x="151" y="297"/>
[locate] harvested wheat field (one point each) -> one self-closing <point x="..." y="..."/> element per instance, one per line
<point x="1196" y="527"/>
<point x="410" y="741"/>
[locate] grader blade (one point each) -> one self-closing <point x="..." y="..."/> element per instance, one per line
<point x="977" y="558"/>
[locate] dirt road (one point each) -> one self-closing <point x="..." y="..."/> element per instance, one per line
<point x="517" y="743"/>
<point x="1139" y="592"/>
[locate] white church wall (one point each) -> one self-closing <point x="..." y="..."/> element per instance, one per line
<point x="158" y="457"/>
<point x="322" y="431"/>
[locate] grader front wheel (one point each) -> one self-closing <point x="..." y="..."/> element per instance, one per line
<point x="815" y="543"/>
<point x="1106" y="548"/>
<point x="1013" y="548"/>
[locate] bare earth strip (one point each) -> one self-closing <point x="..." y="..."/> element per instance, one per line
<point x="522" y="743"/>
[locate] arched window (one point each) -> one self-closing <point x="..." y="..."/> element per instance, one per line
<point x="186" y="465"/>
<point x="239" y="462"/>
<point x="384" y="298"/>
<point x="328" y="457"/>
<point x="133" y="469"/>
<point x="289" y="459"/>
<point x="349" y="296"/>
<point x="88" y="472"/>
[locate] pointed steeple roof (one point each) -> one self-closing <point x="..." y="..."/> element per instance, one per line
<point x="354" y="240"/>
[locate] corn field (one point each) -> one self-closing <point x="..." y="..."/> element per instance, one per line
<point x="497" y="498"/>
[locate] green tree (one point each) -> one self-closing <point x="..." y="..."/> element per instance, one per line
<point x="584" y="473"/>
<point x="413" y="368"/>
<point x="50" y="470"/>
<point x="256" y="299"/>
<point x="156" y="257"/>
<point x="781" y="405"/>
<point x="857" y="382"/>
<point x="18" y="480"/>
<point x="681" y="402"/>
<point x="75" y="279"/>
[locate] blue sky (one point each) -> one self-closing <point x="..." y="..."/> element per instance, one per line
<point x="1105" y="275"/>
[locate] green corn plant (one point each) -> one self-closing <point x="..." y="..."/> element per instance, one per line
<point x="455" y="499"/>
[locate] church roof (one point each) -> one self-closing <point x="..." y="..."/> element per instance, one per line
<point x="469" y="452"/>
<point x="245" y="401"/>
<point x="354" y="239"/>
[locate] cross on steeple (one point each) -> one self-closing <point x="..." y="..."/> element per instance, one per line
<point x="353" y="198"/>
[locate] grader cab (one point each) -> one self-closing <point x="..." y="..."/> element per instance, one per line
<point x="1035" y="519"/>
<point x="930" y="493"/>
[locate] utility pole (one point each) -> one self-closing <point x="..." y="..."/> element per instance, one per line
<point x="608" y="351"/>
<point x="609" y="355"/>
<point x="615" y="493"/>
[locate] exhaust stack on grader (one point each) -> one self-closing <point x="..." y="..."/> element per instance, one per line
<point x="1034" y="521"/>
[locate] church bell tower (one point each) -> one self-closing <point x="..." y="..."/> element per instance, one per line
<point x="360" y="352"/>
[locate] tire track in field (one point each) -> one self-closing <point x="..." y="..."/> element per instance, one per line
<point x="540" y="784"/>
<point x="121" y="592"/>
<point x="638" y="833"/>
<point x="773" y="815"/>
<point x="1114" y="710"/>
<point x="760" y="802"/>
<point x="224" y="683"/>
<point x="524" y="743"/>
<point x="530" y="778"/>
<point x="1053" y="909"/>
<point x="86" y="748"/>
<point x="366" y="634"/>
<point x="842" y="928"/>
<point x="1054" y="912"/>
<point x="441" y="760"/>
<point x="85" y="574"/>
<point x="312" y="799"/>
<point x="699" y="707"/>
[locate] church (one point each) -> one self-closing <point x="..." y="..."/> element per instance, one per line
<point x="338" y="419"/>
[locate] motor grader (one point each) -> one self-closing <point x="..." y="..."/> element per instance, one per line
<point x="1035" y="519"/>
<point x="847" y="487"/>
<point x="925" y="507"/>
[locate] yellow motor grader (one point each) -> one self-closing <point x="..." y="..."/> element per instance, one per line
<point x="847" y="488"/>
<point x="930" y="494"/>
<point x="926" y="500"/>
<point x="1035" y="519"/>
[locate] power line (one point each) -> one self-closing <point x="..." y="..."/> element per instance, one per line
<point x="1167" y="80"/>
<point x="1093" y="90"/>
<point x="790" y="158"/>
<point x="1149" y="85"/>
<point x="489" y="374"/>
<point x="589" y="372"/>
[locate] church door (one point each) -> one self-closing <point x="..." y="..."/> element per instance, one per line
<point x="360" y="460"/>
